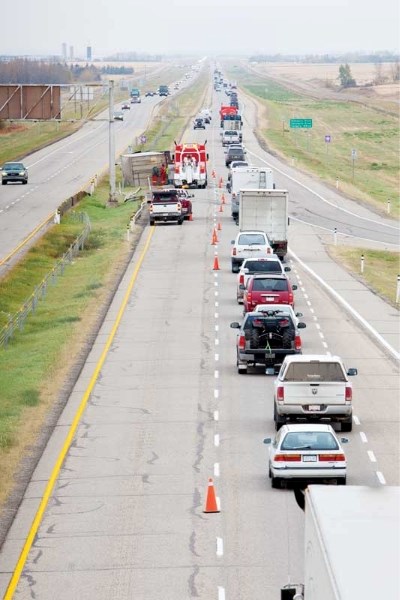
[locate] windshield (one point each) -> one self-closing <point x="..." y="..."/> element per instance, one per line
<point x="249" y="239"/>
<point x="313" y="371"/>
<point x="263" y="266"/>
<point x="309" y="440"/>
<point x="13" y="167"/>
<point x="270" y="285"/>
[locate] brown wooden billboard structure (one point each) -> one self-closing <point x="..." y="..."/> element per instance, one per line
<point x="38" y="102"/>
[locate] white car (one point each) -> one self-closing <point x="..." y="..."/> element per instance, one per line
<point x="253" y="266"/>
<point x="249" y="244"/>
<point x="305" y="453"/>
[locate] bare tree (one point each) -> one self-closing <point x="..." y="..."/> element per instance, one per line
<point x="395" y="71"/>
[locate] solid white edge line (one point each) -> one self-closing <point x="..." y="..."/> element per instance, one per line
<point x="348" y="307"/>
<point x="220" y="546"/>
<point x="363" y="437"/>
<point x="349" y="235"/>
<point x="381" y="478"/>
<point x="371" y="456"/>
<point x="218" y="502"/>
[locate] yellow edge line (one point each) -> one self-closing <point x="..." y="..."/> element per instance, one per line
<point x="26" y="240"/>
<point x="68" y="440"/>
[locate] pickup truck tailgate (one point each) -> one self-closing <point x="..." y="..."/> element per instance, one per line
<point x="314" y="393"/>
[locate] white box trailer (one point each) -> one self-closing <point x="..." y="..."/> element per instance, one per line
<point x="352" y="543"/>
<point x="266" y="210"/>
<point x="248" y="178"/>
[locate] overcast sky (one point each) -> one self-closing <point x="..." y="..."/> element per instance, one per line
<point x="200" y="26"/>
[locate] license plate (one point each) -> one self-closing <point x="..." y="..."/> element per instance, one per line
<point x="270" y="355"/>
<point x="310" y="458"/>
<point x="314" y="407"/>
<point x="269" y="298"/>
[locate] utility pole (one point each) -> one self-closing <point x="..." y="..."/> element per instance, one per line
<point x="111" y="144"/>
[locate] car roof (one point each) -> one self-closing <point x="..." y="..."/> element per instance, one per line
<point x="271" y="257"/>
<point x="317" y="427"/>
<point x="312" y="357"/>
<point x="269" y="276"/>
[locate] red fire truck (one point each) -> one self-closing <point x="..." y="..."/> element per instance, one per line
<point x="190" y="162"/>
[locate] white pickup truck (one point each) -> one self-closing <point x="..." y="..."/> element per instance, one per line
<point x="313" y="388"/>
<point x="165" y="205"/>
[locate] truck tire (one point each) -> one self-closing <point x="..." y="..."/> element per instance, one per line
<point x="347" y="425"/>
<point x="254" y="339"/>
<point x="151" y="221"/>
<point x="279" y="421"/>
<point x="287" y="339"/>
<point x="341" y="481"/>
<point x="180" y="221"/>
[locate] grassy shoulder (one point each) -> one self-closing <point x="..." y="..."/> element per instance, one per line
<point x="372" y="177"/>
<point x="381" y="268"/>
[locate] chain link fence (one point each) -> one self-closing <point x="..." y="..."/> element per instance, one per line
<point x="16" y="321"/>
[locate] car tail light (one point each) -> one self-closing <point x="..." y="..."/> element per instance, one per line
<point x="248" y="297"/>
<point x="202" y="168"/>
<point x="179" y="206"/>
<point x="280" y="393"/>
<point x="349" y="393"/>
<point x="297" y="342"/>
<point x="234" y="251"/>
<point x="291" y="299"/>
<point x="331" y="457"/>
<point x="287" y="458"/>
<point x="151" y="208"/>
<point x="242" y="342"/>
<point x="269" y="250"/>
<point x="241" y="279"/>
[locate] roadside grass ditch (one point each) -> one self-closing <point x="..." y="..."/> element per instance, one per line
<point x="373" y="175"/>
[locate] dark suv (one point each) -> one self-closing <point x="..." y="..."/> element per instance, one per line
<point x="234" y="154"/>
<point x="14" y="171"/>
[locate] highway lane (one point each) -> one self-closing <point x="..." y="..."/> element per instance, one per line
<point x="168" y="411"/>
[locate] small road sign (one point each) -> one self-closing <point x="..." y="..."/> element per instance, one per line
<point x="354" y="153"/>
<point x="143" y="139"/>
<point x="327" y="139"/>
<point x="300" y="123"/>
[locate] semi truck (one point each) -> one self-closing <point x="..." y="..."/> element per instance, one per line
<point x="135" y="93"/>
<point x="266" y="210"/>
<point x="247" y="177"/>
<point x="351" y="545"/>
<point x="163" y="90"/>
<point x="190" y="165"/>
<point x="224" y="111"/>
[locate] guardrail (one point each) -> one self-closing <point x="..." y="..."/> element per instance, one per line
<point x="17" y="320"/>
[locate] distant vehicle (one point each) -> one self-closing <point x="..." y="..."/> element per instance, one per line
<point x="118" y="115"/>
<point x="163" y="90"/>
<point x="14" y="171"/>
<point x="135" y="93"/>
<point x="150" y="93"/>
<point x="166" y="205"/>
<point x="126" y="106"/>
<point x="199" y="124"/>
<point x="249" y="244"/>
<point x="234" y="153"/>
<point x="136" y="100"/>
<point x="306" y="453"/>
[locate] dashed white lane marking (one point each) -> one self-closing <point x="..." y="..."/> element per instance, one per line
<point x="216" y="304"/>
<point x="299" y="280"/>
<point x="218" y="501"/>
<point x="216" y="315"/>
<point x="216" y="341"/>
<point x="7" y="207"/>
<point x="371" y="455"/>
<point x="220" y="546"/>
<point x="216" y="328"/>
<point x="216" y="440"/>
<point x="317" y="325"/>
<point x="306" y="296"/>
<point x="216" y="374"/>
<point x="216" y="470"/>
<point x="325" y="345"/>
<point x="216" y="356"/>
<point x="216" y="393"/>
<point x="216" y="293"/>
<point x="356" y="420"/>
<point x="321" y="335"/>
<point x="216" y="283"/>
<point x="303" y="289"/>
<point x="309" y="303"/>
<point x="216" y="415"/>
<point x="1" y="210"/>
<point x="363" y="437"/>
<point x="312" y="310"/>
<point x="381" y="478"/>
<point x="221" y="593"/>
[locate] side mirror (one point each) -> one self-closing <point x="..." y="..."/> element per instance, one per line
<point x="299" y="314"/>
<point x="294" y="287"/>
<point x="344" y="440"/>
<point x="242" y="286"/>
<point x="232" y="241"/>
<point x="351" y="372"/>
<point x="287" y="269"/>
<point x="235" y="325"/>
<point x="301" y="325"/>
<point x="267" y="440"/>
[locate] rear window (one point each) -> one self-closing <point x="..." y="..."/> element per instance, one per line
<point x="165" y="198"/>
<point x="248" y="239"/>
<point x="315" y="372"/>
<point x="309" y="440"/>
<point x="270" y="285"/>
<point x="267" y="266"/>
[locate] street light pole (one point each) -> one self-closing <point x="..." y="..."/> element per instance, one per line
<point x="111" y="143"/>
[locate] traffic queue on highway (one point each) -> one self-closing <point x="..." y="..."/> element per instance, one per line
<point x="312" y="392"/>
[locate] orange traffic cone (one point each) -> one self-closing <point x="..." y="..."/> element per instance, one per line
<point x="214" y="239"/>
<point x="216" y="264"/>
<point x="190" y="217"/>
<point x="213" y="174"/>
<point x="220" y="183"/>
<point x="221" y="208"/>
<point x="211" y="501"/>
<point x="223" y="199"/>
<point x="219" y="227"/>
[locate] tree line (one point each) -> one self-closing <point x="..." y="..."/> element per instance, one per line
<point x="41" y="72"/>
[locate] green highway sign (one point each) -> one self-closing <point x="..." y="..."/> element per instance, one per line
<point x="301" y="123"/>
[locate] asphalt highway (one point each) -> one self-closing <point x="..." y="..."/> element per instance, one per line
<point x="168" y="410"/>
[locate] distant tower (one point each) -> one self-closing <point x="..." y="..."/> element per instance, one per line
<point x="89" y="53"/>
<point x="64" y="51"/>
<point x="71" y="52"/>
